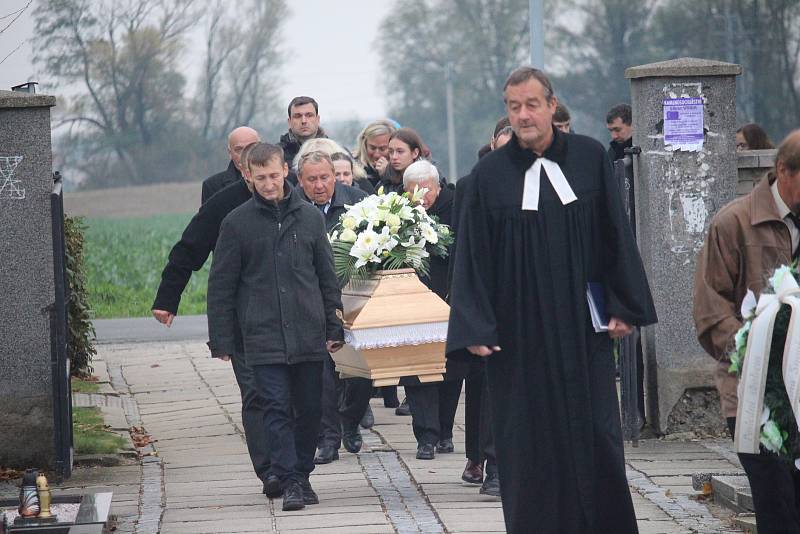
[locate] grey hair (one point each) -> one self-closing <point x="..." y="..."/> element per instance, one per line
<point x="318" y="144"/>
<point x="419" y="171"/>
<point x="315" y="156"/>
<point x="523" y="74"/>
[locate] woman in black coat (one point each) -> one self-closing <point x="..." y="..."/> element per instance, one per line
<point x="350" y="173"/>
<point x="405" y="148"/>
<point x="372" y="150"/>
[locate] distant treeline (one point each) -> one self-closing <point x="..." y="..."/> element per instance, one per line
<point x="135" y="120"/>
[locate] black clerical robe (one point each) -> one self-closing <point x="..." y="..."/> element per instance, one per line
<point x="520" y="282"/>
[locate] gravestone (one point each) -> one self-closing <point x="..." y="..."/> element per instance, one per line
<point x="677" y="193"/>
<point x="27" y="288"/>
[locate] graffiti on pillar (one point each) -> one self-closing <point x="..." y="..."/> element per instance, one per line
<point x="9" y="185"/>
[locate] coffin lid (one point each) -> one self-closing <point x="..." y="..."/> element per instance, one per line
<point x="391" y="298"/>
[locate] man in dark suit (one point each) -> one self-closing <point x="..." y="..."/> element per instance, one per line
<point x="237" y="140"/>
<point x="343" y="401"/>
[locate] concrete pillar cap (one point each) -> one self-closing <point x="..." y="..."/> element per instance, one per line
<point x="683" y="67"/>
<point x="20" y="99"/>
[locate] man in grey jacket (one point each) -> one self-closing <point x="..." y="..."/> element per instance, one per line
<point x="273" y="275"/>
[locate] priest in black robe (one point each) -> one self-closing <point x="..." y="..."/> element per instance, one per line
<point x="519" y="299"/>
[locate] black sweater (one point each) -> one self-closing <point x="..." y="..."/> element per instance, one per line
<point x="198" y="240"/>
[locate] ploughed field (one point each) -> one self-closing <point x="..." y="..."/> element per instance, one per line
<point x="124" y="259"/>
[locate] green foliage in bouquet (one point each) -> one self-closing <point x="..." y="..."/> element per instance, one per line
<point x="384" y="232"/>
<point x="779" y="432"/>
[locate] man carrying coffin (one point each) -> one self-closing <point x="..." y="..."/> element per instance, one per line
<point x="747" y="240"/>
<point x="433" y="405"/>
<point x="273" y="274"/>
<point x="343" y="401"/>
<point x="542" y="218"/>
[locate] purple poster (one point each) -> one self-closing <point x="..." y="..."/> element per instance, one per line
<point x="683" y="124"/>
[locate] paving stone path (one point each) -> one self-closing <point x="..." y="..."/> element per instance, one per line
<point x="200" y="479"/>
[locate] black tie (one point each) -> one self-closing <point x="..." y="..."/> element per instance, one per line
<point x="796" y="220"/>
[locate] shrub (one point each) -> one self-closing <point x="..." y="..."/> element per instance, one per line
<point x="81" y="333"/>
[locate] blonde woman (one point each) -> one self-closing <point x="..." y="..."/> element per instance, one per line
<point x="372" y="148"/>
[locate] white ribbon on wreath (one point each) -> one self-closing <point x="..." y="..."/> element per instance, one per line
<point x="752" y="383"/>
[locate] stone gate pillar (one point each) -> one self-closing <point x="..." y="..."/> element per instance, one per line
<point x="681" y="180"/>
<point x="27" y="290"/>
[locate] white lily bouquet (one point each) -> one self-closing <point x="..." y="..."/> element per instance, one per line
<point x="385" y="232"/>
<point x="766" y="359"/>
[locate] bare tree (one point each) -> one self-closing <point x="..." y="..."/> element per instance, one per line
<point x="242" y="57"/>
<point x="120" y="57"/>
<point x="479" y="41"/>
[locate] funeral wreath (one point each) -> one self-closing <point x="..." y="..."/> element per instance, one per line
<point x="385" y="232"/>
<point x="766" y="358"/>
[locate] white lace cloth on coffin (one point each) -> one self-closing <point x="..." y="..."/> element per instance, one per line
<point x="396" y="336"/>
<point x="752" y="383"/>
<point x="530" y="194"/>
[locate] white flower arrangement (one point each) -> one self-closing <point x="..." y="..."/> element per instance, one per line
<point x="387" y="231"/>
<point x="779" y="431"/>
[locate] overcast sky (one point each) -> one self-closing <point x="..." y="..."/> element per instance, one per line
<point x="329" y="46"/>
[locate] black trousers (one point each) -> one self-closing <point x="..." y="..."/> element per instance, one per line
<point x="330" y="432"/>
<point x="355" y="399"/>
<point x="433" y="410"/>
<point x="775" y="486"/>
<point x="254" y="408"/>
<point x="478" y="435"/>
<point x="343" y="404"/>
<point x="389" y="394"/>
<point x="293" y="411"/>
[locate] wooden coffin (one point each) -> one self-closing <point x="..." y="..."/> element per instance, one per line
<point x="394" y="327"/>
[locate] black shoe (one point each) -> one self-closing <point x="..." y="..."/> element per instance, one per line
<point x="369" y="418"/>
<point x="473" y="473"/>
<point x="351" y="439"/>
<point x="426" y="452"/>
<point x="272" y="487"/>
<point x="389" y="394"/>
<point x="293" y="497"/>
<point x="403" y="409"/>
<point x="491" y="485"/>
<point x="326" y="455"/>
<point x="309" y="495"/>
<point x="445" y="446"/>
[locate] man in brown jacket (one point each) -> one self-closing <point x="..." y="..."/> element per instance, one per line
<point x="746" y="241"/>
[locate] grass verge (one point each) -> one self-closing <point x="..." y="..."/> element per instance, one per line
<point x="124" y="260"/>
<point x="84" y="386"/>
<point x="90" y="435"/>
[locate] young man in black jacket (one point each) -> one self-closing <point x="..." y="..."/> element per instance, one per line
<point x="303" y="124"/>
<point x="273" y="274"/>
<point x="190" y="254"/>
